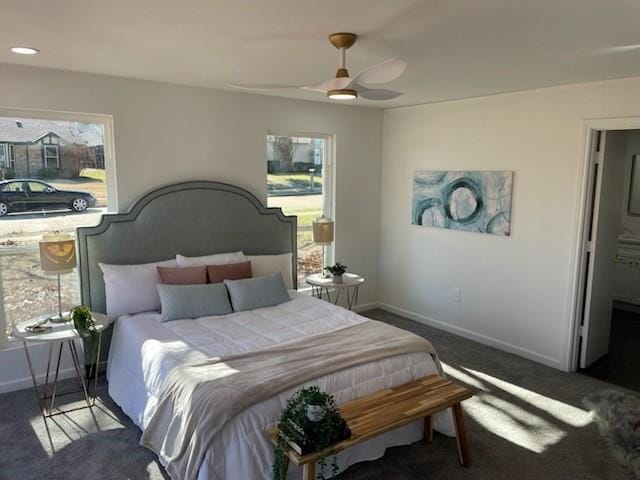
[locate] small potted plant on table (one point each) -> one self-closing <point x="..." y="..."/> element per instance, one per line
<point x="85" y="324"/>
<point x="337" y="271"/>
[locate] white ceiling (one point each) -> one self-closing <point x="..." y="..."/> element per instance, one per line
<point x="454" y="48"/>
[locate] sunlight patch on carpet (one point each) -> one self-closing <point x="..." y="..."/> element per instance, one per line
<point x="525" y="418"/>
<point x="515" y="424"/>
<point x="565" y="413"/>
<point x="62" y="430"/>
<point x="460" y="376"/>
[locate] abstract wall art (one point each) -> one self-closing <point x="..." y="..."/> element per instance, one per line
<point x="478" y="201"/>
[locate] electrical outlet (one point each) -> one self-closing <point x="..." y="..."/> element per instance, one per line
<point x="456" y="295"/>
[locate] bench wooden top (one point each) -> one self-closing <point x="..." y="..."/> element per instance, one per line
<point x="386" y="410"/>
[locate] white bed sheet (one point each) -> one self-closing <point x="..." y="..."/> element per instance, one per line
<point x="144" y="350"/>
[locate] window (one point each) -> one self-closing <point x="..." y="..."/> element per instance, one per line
<point x="4" y="156"/>
<point x="13" y="187"/>
<point x="25" y="291"/>
<point x="12" y="156"/>
<point x="37" y="187"/>
<point x="299" y="181"/>
<point x="51" y="156"/>
<point x="7" y="158"/>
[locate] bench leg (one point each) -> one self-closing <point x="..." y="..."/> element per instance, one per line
<point x="428" y="429"/>
<point x="309" y="471"/>
<point x="461" y="436"/>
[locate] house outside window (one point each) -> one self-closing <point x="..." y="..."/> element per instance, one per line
<point x="59" y="151"/>
<point x="299" y="180"/>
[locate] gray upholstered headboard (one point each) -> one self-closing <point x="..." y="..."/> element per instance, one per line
<point x="192" y="219"/>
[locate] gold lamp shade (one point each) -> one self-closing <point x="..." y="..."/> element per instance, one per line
<point x="57" y="254"/>
<point x="323" y="231"/>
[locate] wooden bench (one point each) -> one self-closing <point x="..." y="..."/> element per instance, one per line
<point x="386" y="410"/>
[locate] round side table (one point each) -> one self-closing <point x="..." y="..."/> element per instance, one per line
<point x="323" y="286"/>
<point x="62" y="333"/>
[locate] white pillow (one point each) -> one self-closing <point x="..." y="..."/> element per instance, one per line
<point x="132" y="288"/>
<point x="265" y="265"/>
<point x="217" y="259"/>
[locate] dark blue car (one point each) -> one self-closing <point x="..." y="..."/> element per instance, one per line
<point x="26" y="194"/>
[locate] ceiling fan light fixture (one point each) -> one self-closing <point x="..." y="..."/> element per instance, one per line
<point x="22" y="50"/>
<point x="343" y="86"/>
<point x="342" y="94"/>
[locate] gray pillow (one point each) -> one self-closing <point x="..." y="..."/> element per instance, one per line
<point x="252" y="293"/>
<point x="193" y="301"/>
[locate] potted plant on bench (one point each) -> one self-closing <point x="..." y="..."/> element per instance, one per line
<point x="309" y="422"/>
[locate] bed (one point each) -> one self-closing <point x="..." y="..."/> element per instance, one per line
<point x="200" y="218"/>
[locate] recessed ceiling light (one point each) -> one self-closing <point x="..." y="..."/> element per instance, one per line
<point x="25" y="50"/>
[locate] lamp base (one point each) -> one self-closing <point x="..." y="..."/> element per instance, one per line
<point x="324" y="272"/>
<point x="58" y="319"/>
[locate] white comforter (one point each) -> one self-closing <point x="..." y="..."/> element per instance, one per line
<point x="144" y="350"/>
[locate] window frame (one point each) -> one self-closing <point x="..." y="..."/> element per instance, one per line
<point x="4" y="156"/>
<point x="328" y="185"/>
<point x="109" y="164"/>
<point x="11" y="155"/>
<point x="46" y="157"/>
<point x="44" y="186"/>
<point x="11" y="183"/>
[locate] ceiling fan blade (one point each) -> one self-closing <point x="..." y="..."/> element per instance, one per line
<point x="337" y="83"/>
<point x="376" y="93"/>
<point x="261" y="86"/>
<point x="382" y="72"/>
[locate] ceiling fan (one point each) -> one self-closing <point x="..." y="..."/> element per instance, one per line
<point x="344" y="87"/>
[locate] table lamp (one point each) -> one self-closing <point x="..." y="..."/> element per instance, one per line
<point x="323" y="235"/>
<point x="57" y="257"/>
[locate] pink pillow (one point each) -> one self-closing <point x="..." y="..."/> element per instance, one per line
<point x="230" y="271"/>
<point x="183" y="276"/>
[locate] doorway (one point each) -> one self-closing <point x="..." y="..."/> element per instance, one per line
<point x="607" y="336"/>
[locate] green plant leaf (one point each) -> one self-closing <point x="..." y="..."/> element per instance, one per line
<point x="311" y="436"/>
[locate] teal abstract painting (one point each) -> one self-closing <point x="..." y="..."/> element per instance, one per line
<point x="475" y="201"/>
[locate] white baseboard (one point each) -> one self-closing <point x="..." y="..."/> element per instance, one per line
<point x="23" y="383"/>
<point x="463" y="332"/>
<point x="366" y="306"/>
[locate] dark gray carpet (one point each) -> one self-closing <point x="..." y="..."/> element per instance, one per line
<point x="526" y="422"/>
<point x="621" y="365"/>
<point x="97" y="443"/>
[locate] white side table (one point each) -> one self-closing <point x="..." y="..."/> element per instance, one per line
<point x="350" y="284"/>
<point x="63" y="334"/>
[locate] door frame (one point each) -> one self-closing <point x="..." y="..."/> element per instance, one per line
<point x="583" y="212"/>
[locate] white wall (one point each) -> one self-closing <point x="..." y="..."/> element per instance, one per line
<point x="515" y="290"/>
<point x="166" y="133"/>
